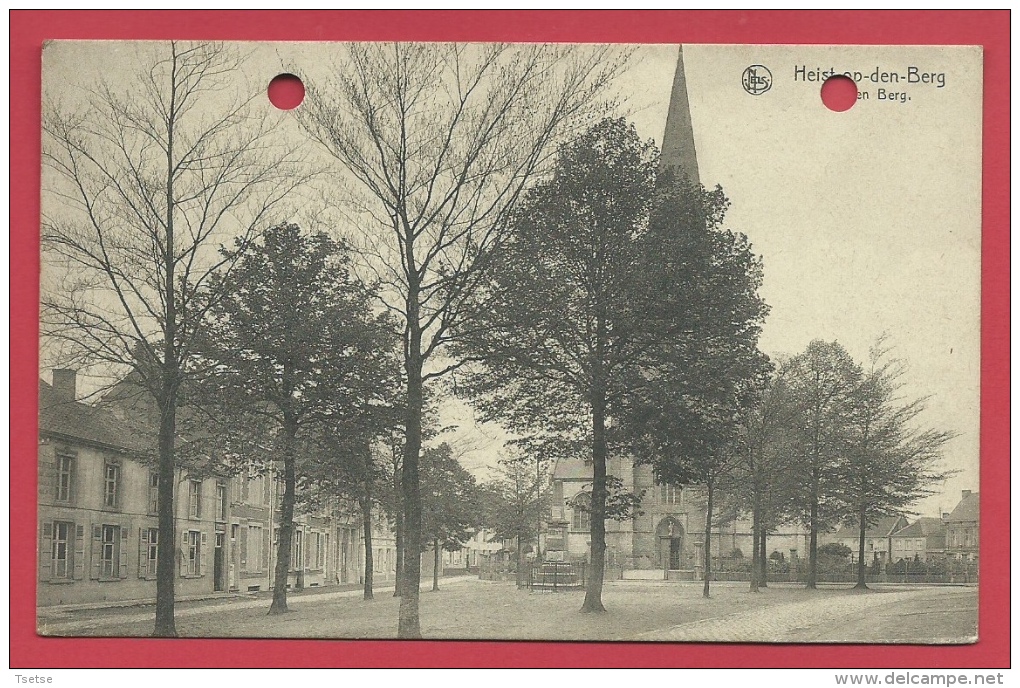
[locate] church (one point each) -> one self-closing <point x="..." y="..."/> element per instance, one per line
<point x="665" y="539"/>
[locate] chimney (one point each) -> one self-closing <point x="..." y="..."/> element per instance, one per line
<point x="64" y="383"/>
<point x="964" y="494"/>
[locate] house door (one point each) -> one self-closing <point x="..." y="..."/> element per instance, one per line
<point x="343" y="555"/>
<point x="218" y="582"/>
<point x="676" y="547"/>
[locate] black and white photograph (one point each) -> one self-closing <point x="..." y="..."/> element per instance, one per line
<point x="558" y="342"/>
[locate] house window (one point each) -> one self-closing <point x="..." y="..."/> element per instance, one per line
<point x="152" y="551"/>
<point x="194" y="552"/>
<point x="153" y="492"/>
<point x="65" y="474"/>
<point x="63" y="566"/>
<point x="195" y="498"/>
<point x="319" y="552"/>
<point x="111" y="485"/>
<point x="297" y="551"/>
<point x="221" y="501"/>
<point x="109" y="552"/>
<point x="256" y="490"/>
<point x="581" y="506"/>
<point x="670" y="494"/>
<point x="254" y="564"/>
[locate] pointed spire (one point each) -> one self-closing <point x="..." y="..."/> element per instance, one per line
<point x="678" y="139"/>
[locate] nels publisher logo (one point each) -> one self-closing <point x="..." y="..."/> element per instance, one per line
<point x="756" y="79"/>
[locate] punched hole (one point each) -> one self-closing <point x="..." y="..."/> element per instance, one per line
<point x="839" y="93"/>
<point x="286" y="91"/>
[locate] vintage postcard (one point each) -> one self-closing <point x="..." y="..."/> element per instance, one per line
<point x="510" y="342"/>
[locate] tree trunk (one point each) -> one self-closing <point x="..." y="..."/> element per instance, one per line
<point x="597" y="552"/>
<point x="708" y="543"/>
<point x="436" y="561"/>
<point x="520" y="563"/>
<point x="165" y="626"/>
<point x="755" y="559"/>
<point x="538" y="510"/>
<point x="812" y="578"/>
<point x="409" y="625"/>
<point x="279" y="605"/>
<point x="399" y="538"/>
<point x="763" y="582"/>
<point x="366" y="525"/>
<point x="862" y="583"/>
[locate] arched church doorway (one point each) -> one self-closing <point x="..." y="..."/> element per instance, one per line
<point x="670" y="534"/>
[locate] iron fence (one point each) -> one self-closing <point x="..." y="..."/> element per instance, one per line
<point x="558" y="575"/>
<point x="933" y="571"/>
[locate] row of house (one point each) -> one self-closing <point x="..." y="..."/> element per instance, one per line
<point x="954" y="535"/>
<point x="97" y="518"/>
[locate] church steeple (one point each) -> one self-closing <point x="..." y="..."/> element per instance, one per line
<point x="678" y="139"/>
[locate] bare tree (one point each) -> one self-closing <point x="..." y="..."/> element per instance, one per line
<point x="442" y="140"/>
<point x="888" y="463"/>
<point x="143" y="182"/>
<point x="822" y="380"/>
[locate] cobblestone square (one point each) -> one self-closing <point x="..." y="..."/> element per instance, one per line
<point x="646" y="611"/>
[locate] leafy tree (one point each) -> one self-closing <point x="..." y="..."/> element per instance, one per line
<point x="761" y="473"/>
<point x="835" y="549"/>
<point x="560" y="326"/>
<point x="294" y="341"/>
<point x="699" y="367"/>
<point x="451" y="507"/>
<point x="513" y="502"/>
<point x="887" y="463"/>
<point x="347" y="463"/>
<point x="143" y="179"/>
<point x="441" y="140"/>
<point x="822" y="380"/>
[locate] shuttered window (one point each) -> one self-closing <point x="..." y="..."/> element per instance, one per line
<point x="152" y="551"/>
<point x="194" y="553"/>
<point x="61" y="550"/>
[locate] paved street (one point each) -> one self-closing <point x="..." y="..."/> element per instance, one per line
<point x="825" y="619"/>
<point x="467" y="608"/>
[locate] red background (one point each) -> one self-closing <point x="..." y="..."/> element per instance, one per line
<point x="28" y="29"/>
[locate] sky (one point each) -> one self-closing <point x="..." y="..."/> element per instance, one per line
<point x="867" y="221"/>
